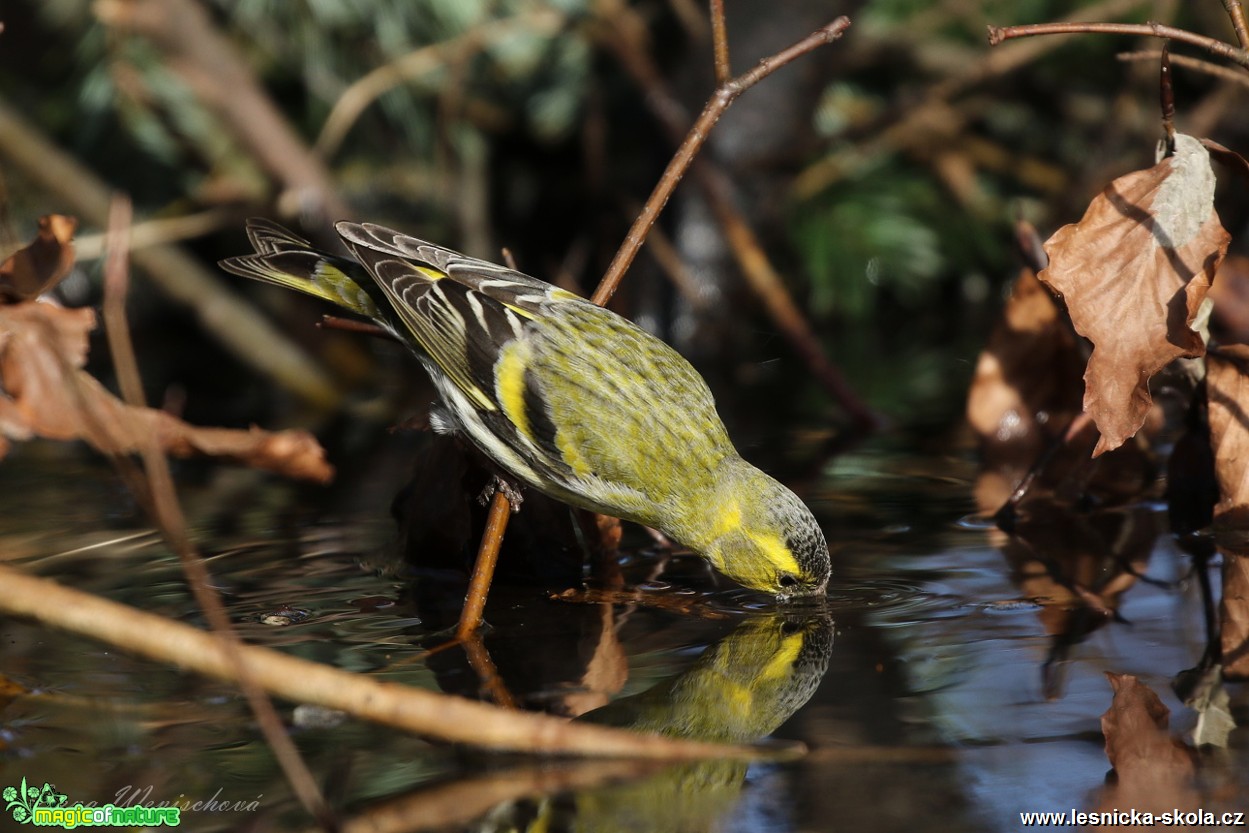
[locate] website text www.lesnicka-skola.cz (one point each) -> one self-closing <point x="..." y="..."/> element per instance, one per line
<point x="1174" y="818"/>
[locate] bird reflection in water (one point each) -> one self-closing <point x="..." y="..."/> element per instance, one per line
<point x="739" y="690"/>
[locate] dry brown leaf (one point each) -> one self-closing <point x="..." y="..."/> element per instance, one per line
<point x="45" y="392"/>
<point x="1026" y="388"/>
<point x="1134" y="272"/>
<point x="1233" y="160"/>
<point x="1154" y="770"/>
<point x="34" y="269"/>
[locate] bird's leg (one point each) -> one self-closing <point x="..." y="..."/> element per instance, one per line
<point x="483" y="567"/>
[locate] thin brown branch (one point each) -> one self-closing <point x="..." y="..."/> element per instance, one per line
<point x="449" y="718"/>
<point x="1237" y="13"/>
<point x="694" y="140"/>
<point x="998" y="34"/>
<point x="220" y="77"/>
<point x="172" y="523"/>
<point x="1195" y="64"/>
<point x="720" y="37"/>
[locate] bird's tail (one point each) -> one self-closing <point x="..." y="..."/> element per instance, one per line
<point x="286" y="259"/>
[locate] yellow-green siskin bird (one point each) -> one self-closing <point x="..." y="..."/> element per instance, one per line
<point x="566" y="396"/>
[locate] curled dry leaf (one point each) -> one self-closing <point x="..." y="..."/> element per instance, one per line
<point x="45" y="392"/>
<point x="1236" y="163"/>
<point x="34" y="269"/>
<point x="1134" y="272"/>
<point x="1154" y="770"/>
<point x="1026" y="388"/>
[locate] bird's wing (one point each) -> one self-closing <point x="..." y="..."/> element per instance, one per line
<point x="516" y="290"/>
<point x="473" y="319"/>
<point x="286" y="259"/>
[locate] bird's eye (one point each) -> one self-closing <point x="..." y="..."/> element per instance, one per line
<point x="786" y="580"/>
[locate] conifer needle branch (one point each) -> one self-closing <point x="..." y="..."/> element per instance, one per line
<point x="998" y="34"/>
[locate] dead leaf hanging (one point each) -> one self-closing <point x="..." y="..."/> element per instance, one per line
<point x="1025" y="390"/>
<point x="35" y="268"/>
<point x="1134" y="272"/>
<point x="45" y="392"/>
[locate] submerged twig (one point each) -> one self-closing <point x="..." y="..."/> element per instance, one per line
<point x="352" y="325"/>
<point x="168" y="516"/>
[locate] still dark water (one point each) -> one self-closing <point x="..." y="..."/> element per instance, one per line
<point x="951" y="683"/>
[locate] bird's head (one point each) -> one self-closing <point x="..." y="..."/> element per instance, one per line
<point x="764" y="537"/>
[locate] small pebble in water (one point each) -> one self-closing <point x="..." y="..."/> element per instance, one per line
<point x="283" y="617"/>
